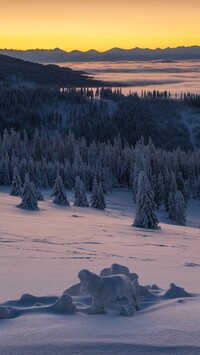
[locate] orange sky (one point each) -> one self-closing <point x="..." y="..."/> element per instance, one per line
<point x="99" y="24"/>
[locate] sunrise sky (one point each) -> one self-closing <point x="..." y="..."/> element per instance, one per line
<point x="99" y="24"/>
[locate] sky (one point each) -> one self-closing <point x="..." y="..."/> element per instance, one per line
<point x="99" y="24"/>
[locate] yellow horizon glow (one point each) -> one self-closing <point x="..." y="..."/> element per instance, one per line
<point x="100" y="25"/>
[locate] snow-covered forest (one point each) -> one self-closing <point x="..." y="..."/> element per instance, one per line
<point x="100" y="135"/>
<point x="103" y="114"/>
<point x="113" y="165"/>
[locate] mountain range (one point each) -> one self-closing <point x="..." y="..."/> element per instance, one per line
<point x="115" y="54"/>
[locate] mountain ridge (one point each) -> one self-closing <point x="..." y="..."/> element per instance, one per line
<point x="15" y="72"/>
<point x="58" y="55"/>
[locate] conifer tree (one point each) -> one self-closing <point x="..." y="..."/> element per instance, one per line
<point x="173" y="184"/>
<point x="39" y="194"/>
<point x="29" y="198"/>
<point x="59" y="192"/>
<point x="139" y="165"/>
<point x="187" y="191"/>
<point x="167" y="183"/>
<point x="196" y="188"/>
<point x="80" y="198"/>
<point x="16" y="186"/>
<point x="68" y="175"/>
<point x="5" y="170"/>
<point x="97" y="199"/>
<point x="180" y="182"/>
<point x="40" y="176"/>
<point x="177" y="207"/>
<point x="180" y="206"/>
<point x="160" y="191"/>
<point x="145" y="216"/>
<point x="171" y="206"/>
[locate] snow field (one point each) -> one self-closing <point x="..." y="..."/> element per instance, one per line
<point x="43" y="251"/>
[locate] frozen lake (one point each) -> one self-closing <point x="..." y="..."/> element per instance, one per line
<point x="173" y="76"/>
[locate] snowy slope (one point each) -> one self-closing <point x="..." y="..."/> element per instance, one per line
<point x="42" y="252"/>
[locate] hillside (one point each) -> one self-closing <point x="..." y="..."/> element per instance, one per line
<point x="30" y="98"/>
<point x="17" y="72"/>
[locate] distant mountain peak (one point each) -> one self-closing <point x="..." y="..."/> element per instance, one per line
<point x="92" y="51"/>
<point x="57" y="49"/>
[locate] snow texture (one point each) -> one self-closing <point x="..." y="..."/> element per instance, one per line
<point x="42" y="253"/>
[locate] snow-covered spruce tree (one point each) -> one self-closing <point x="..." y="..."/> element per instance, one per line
<point x="16" y="185"/>
<point x="187" y="191"/>
<point x="160" y="190"/>
<point x="40" y="176"/>
<point x="68" y="175"/>
<point x="173" y="184"/>
<point x="145" y="216"/>
<point x="180" y="207"/>
<point x="177" y="207"/>
<point x="167" y="186"/>
<point x="180" y="182"/>
<point x="171" y="206"/>
<point x="80" y="198"/>
<point x="39" y="194"/>
<point x="29" y="198"/>
<point x="139" y="165"/>
<point x="196" y="188"/>
<point x="59" y="192"/>
<point x="5" y="170"/>
<point x="97" y="199"/>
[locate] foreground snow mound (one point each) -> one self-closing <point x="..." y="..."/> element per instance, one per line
<point x="32" y="304"/>
<point x="64" y="305"/>
<point x="115" y="293"/>
<point x="115" y="269"/>
<point x="176" y="292"/>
